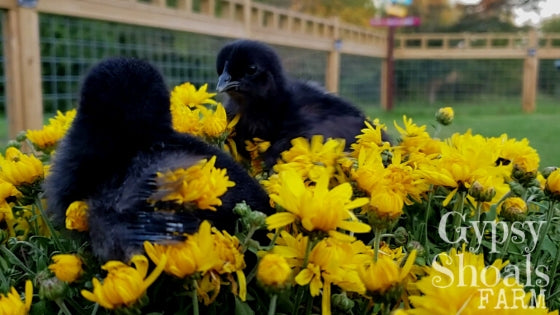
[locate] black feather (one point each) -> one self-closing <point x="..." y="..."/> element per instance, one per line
<point x="275" y="107"/>
<point x="121" y="136"/>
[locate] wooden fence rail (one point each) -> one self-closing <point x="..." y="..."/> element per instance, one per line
<point x="246" y="19"/>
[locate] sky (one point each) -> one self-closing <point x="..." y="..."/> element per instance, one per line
<point x="548" y="8"/>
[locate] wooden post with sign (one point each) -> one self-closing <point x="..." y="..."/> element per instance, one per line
<point x="530" y="74"/>
<point x="388" y="63"/>
<point x="388" y="72"/>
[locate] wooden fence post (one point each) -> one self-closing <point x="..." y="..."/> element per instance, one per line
<point x="247" y="17"/>
<point x="333" y="61"/>
<point x="530" y="74"/>
<point x="387" y="72"/>
<point x="24" y="96"/>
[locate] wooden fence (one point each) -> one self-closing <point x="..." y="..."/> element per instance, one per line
<point x="246" y="19"/>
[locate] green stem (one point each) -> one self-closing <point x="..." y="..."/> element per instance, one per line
<point x="54" y="235"/>
<point x="300" y="291"/>
<point x="195" y="297"/>
<point x="250" y="233"/>
<point x="477" y="216"/>
<point x="478" y="210"/>
<point x="63" y="307"/>
<point x="309" y="306"/>
<point x="554" y="267"/>
<point x="310" y="244"/>
<point x="426" y="217"/>
<point x="457" y="219"/>
<point x="15" y="260"/>
<point x="549" y="215"/>
<point x="437" y="128"/>
<point x="508" y="241"/>
<point x="376" y="243"/>
<point x="272" y="305"/>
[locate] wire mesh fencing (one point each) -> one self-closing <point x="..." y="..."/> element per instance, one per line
<point x="70" y="46"/>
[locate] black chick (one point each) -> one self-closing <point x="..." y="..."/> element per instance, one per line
<point x="121" y="136"/>
<point x="276" y="108"/>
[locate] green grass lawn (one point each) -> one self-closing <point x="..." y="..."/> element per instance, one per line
<point x="490" y="119"/>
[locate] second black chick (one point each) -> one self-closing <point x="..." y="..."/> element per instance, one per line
<point x="121" y="137"/>
<point x="275" y="107"/>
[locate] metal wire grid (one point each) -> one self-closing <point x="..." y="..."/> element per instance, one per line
<point x="457" y="81"/>
<point x="69" y="46"/>
<point x="549" y="79"/>
<point x="360" y="80"/>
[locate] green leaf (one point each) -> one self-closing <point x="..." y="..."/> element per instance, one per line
<point x="242" y="308"/>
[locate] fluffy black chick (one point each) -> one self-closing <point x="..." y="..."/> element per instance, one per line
<point x="275" y="107"/>
<point x="121" y="137"/>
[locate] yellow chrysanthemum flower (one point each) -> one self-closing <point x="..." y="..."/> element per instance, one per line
<point x="516" y="153"/>
<point x="196" y="112"/>
<point x="312" y="158"/>
<point x="201" y="184"/>
<point x="214" y="122"/>
<point x="468" y="286"/>
<point x="186" y="120"/>
<point x="333" y="261"/>
<point x="11" y="303"/>
<point x="7" y="190"/>
<point x="18" y="168"/>
<point x="466" y="159"/>
<point x="124" y="285"/>
<point x="389" y="187"/>
<point x="66" y="267"/>
<point x="186" y="94"/>
<point x="385" y="273"/>
<point x="316" y="208"/>
<point x="77" y="216"/>
<point x="48" y="137"/>
<point x="415" y="139"/>
<point x="291" y="247"/>
<point x="274" y="271"/>
<point x="195" y="254"/>
<point x="371" y="137"/>
<point x="207" y="251"/>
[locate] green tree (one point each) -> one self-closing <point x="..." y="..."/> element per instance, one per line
<point x="351" y="11"/>
<point x="551" y="25"/>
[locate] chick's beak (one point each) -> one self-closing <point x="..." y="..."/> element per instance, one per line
<point x="224" y="82"/>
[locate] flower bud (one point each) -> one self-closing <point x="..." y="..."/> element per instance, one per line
<point x="242" y="209"/>
<point x="21" y="136"/>
<point x="273" y="272"/>
<point x="401" y="236"/>
<point x="52" y="288"/>
<point x="342" y="304"/>
<point x="523" y="176"/>
<point x="552" y="186"/>
<point x="14" y="143"/>
<point x="480" y="193"/>
<point x="445" y="115"/>
<point x="514" y="209"/>
<point x="387" y="157"/>
<point x="415" y="245"/>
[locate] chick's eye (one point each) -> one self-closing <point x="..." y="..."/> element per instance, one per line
<point x="252" y="69"/>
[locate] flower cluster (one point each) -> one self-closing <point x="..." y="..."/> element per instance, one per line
<point x="383" y="228"/>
